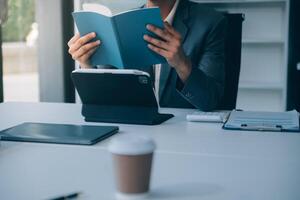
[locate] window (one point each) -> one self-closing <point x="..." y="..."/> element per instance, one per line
<point x="20" y="34"/>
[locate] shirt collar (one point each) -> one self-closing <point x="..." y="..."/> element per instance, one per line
<point x="170" y="17"/>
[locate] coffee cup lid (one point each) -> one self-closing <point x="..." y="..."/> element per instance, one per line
<point x="131" y="144"/>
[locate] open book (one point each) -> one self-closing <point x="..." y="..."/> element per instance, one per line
<point x="121" y="35"/>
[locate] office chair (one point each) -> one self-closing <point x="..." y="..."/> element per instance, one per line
<point x="233" y="46"/>
<point x="1" y="67"/>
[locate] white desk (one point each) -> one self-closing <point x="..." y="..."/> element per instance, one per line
<point x="193" y="160"/>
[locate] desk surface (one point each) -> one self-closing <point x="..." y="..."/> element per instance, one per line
<point x="193" y="160"/>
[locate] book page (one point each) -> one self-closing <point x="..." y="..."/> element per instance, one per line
<point x="98" y="8"/>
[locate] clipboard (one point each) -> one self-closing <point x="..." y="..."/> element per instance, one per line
<point x="268" y="121"/>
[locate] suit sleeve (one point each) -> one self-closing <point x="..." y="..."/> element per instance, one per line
<point x="205" y="86"/>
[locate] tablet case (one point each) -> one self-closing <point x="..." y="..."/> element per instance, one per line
<point x="58" y="133"/>
<point x="118" y="98"/>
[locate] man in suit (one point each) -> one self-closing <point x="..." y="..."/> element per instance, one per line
<point x="192" y="42"/>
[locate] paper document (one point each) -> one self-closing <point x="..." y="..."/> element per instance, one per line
<point x="260" y="120"/>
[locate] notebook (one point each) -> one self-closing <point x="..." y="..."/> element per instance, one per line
<point x="121" y="35"/>
<point x="58" y="133"/>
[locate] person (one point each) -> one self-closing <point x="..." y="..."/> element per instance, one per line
<point x="192" y="42"/>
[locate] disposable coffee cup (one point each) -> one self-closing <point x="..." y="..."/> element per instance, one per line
<point x="132" y="156"/>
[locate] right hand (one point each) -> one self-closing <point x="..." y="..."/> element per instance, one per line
<point x="81" y="49"/>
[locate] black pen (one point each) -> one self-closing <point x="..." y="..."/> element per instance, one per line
<point x="71" y="196"/>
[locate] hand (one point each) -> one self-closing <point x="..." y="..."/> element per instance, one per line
<point x="170" y="47"/>
<point x="81" y="49"/>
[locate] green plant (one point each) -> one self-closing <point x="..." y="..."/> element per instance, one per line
<point x="21" y="14"/>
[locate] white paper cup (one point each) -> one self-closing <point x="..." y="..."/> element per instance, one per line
<point x="132" y="155"/>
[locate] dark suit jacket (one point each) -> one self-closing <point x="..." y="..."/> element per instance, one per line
<point x="203" y="33"/>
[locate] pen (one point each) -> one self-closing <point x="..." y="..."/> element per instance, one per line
<point x="70" y="196"/>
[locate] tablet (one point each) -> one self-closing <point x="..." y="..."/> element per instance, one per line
<point x="118" y="96"/>
<point x="58" y="133"/>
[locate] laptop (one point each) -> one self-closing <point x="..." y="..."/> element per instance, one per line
<point x="118" y="96"/>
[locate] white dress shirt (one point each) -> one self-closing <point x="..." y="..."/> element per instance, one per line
<point x="157" y="68"/>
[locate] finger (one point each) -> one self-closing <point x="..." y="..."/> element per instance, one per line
<point x="159" y="51"/>
<point x="159" y="32"/>
<point x="85" y="49"/>
<point x="82" y="41"/>
<point x="86" y="56"/>
<point x="171" y="30"/>
<point x="156" y="42"/>
<point x="170" y="46"/>
<point x="73" y="39"/>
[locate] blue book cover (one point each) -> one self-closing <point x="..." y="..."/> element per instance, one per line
<point x="121" y="36"/>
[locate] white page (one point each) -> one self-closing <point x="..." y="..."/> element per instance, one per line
<point x="98" y="8"/>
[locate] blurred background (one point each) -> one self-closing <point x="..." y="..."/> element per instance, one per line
<point x="20" y="40"/>
<point x="36" y="65"/>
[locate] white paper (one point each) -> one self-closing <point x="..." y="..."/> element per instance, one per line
<point x="98" y="8"/>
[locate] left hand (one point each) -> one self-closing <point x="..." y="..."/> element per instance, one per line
<point x="170" y="47"/>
